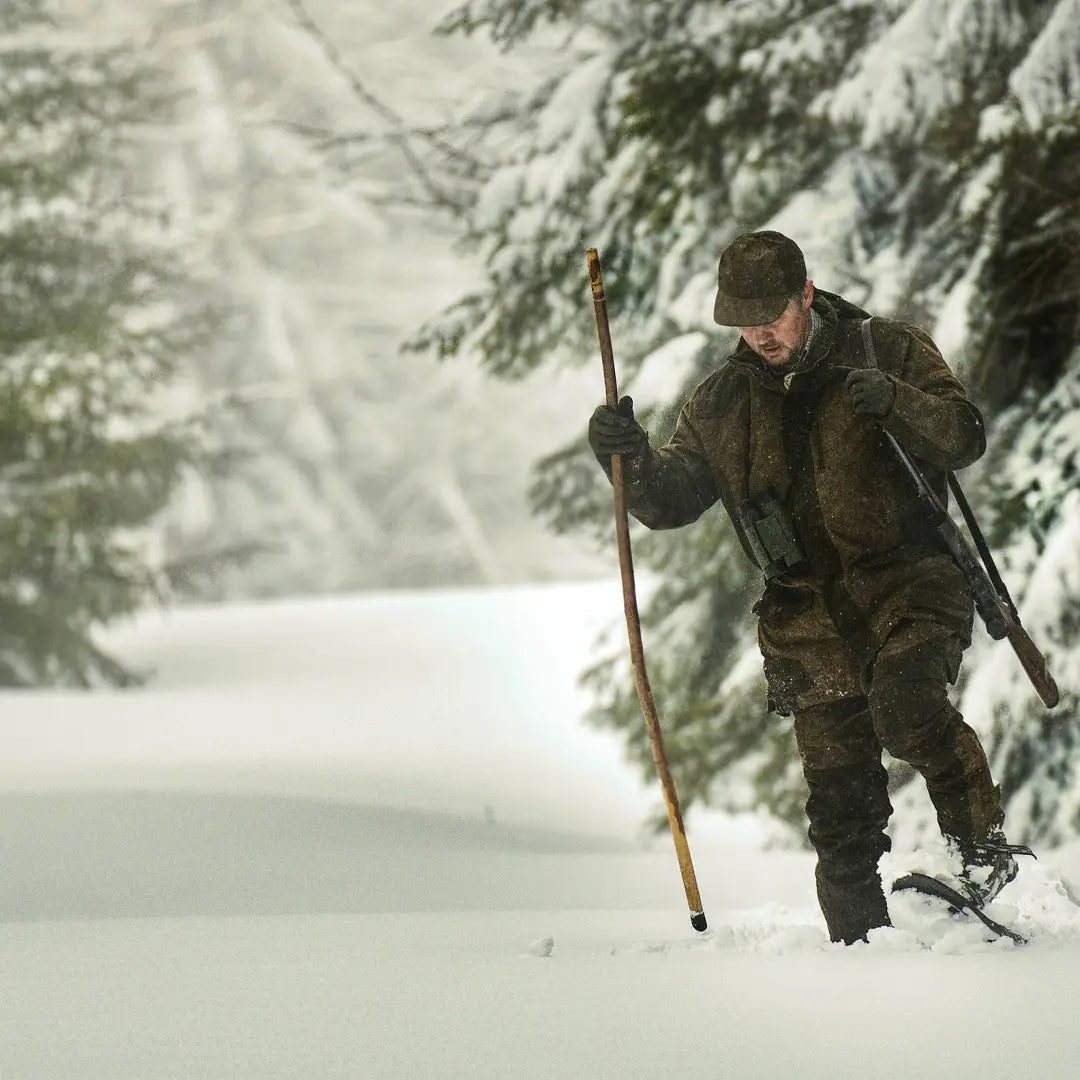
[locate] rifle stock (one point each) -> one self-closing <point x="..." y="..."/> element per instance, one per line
<point x="1033" y="663"/>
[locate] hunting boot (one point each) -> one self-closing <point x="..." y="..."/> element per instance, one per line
<point x="848" y="810"/>
<point x="989" y="865"/>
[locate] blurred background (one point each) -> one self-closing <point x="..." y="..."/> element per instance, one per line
<point x="283" y="169"/>
<point x="294" y="305"/>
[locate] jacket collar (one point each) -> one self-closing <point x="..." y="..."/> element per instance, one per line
<point x="812" y="369"/>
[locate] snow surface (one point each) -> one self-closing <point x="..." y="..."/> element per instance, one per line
<point x="369" y="838"/>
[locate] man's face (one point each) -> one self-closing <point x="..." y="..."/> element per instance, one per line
<point x="778" y="341"/>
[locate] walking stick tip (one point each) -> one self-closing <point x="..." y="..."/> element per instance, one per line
<point x="697" y="921"/>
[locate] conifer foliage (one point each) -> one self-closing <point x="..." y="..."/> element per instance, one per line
<point x="927" y="158"/>
<point x="90" y="324"/>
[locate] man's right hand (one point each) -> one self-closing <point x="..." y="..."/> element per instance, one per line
<point x="615" y="431"/>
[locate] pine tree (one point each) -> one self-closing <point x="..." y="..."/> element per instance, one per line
<point x="981" y="162"/>
<point x="92" y="317"/>
<point x="925" y="156"/>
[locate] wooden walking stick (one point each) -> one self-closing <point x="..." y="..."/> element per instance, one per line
<point x="633" y="620"/>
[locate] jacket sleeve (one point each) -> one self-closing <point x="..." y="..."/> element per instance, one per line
<point x="671" y="485"/>
<point x="932" y="416"/>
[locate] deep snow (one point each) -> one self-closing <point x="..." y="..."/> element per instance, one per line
<point x="337" y="838"/>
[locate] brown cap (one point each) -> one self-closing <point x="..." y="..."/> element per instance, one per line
<point x="758" y="274"/>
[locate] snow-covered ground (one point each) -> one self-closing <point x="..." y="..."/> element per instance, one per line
<point x="370" y="838"/>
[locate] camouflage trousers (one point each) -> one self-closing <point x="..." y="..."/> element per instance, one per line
<point x="905" y="710"/>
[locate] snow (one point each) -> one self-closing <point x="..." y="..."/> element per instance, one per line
<point x="665" y="371"/>
<point x="369" y="837"/>
<point x="1047" y="81"/>
<point x="996" y="123"/>
<point x="951" y="330"/>
<point x="902" y="86"/>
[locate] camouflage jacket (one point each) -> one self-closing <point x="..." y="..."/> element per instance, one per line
<point x="747" y="429"/>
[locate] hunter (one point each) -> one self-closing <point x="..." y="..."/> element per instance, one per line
<point x="864" y="616"/>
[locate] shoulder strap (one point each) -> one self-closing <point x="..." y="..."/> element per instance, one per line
<point x="958" y="493"/>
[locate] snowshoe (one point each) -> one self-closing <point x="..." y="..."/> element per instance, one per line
<point x="958" y="902"/>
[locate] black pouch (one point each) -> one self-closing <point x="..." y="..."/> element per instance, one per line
<point x="771" y="535"/>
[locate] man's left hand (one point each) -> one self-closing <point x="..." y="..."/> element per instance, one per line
<point x="871" y="391"/>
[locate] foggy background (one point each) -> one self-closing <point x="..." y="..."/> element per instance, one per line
<point x="358" y="466"/>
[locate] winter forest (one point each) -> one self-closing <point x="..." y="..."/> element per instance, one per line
<point x="925" y="156"/>
<point x="183" y="409"/>
<point x="308" y="567"/>
<point x="222" y="377"/>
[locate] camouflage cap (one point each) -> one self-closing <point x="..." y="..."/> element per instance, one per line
<point x="758" y="274"/>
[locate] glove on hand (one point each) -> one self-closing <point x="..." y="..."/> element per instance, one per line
<point x="615" y="431"/>
<point x="871" y="391"/>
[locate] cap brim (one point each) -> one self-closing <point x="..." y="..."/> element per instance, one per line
<point x="743" y="311"/>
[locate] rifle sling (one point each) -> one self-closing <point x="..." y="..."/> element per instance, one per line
<point x="958" y="493"/>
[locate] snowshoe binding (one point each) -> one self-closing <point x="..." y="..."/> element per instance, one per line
<point x="989" y="866"/>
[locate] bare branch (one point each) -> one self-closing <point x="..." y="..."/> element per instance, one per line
<point x="400" y="134"/>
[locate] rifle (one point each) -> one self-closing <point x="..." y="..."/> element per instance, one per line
<point x="992" y="599"/>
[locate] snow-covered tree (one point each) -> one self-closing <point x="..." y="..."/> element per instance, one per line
<point x="927" y="158"/>
<point x="92" y="317"/>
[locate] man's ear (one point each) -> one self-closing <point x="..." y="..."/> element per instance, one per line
<point x="808" y="295"/>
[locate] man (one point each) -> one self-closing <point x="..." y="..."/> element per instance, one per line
<point x="864" y="616"/>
